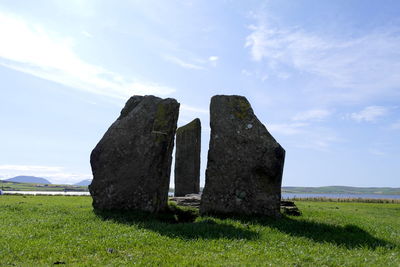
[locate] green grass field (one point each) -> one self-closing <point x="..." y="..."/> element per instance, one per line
<point x="43" y="230"/>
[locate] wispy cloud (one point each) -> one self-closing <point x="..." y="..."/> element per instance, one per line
<point x="353" y="68"/>
<point x="183" y="63"/>
<point x="314" y="114"/>
<point x="376" y="152"/>
<point x="29" y="48"/>
<point x="302" y="131"/>
<point x="304" y="135"/>
<point x="369" y="114"/>
<point x="194" y="64"/>
<point x="54" y="174"/>
<point x="382" y="148"/>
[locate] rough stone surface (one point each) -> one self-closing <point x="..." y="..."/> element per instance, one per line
<point x="187" y="159"/>
<point x="245" y="163"/>
<point x="131" y="164"/>
<point x="193" y="200"/>
<point x="190" y="200"/>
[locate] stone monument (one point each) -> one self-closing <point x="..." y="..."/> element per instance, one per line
<point x="187" y="159"/>
<point x="245" y="163"/>
<point x="131" y="164"/>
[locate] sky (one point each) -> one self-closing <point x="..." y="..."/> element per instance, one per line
<point x="323" y="77"/>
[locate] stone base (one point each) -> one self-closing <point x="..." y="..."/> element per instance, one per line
<point x="193" y="200"/>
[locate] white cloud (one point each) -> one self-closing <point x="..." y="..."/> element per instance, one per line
<point x="183" y="63"/>
<point x="28" y="48"/>
<point x="213" y="60"/>
<point x="195" y="62"/>
<point x="369" y="114"/>
<point x="353" y="68"/>
<point x="54" y="174"/>
<point x="314" y="114"/>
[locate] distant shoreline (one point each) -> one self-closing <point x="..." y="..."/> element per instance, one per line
<point x="284" y="195"/>
<point x="341" y="190"/>
<point x="15" y="186"/>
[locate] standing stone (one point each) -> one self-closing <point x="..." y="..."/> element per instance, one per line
<point x="187" y="159"/>
<point x="245" y="163"/>
<point x="131" y="164"/>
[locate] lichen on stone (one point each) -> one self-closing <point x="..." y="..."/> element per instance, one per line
<point x="161" y="119"/>
<point x="160" y="126"/>
<point x="241" y="108"/>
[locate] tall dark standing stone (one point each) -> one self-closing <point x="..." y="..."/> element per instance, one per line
<point x="245" y="163"/>
<point x="187" y="159"/>
<point x="131" y="164"/>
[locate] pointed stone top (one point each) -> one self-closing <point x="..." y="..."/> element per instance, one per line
<point x="190" y="126"/>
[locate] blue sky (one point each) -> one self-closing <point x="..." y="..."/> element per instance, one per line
<point x="323" y="76"/>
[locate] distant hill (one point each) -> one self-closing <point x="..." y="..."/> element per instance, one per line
<point x="342" y="190"/>
<point x="86" y="182"/>
<point x="28" y="179"/>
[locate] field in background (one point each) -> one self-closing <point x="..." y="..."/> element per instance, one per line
<point x="14" y="186"/>
<point x="46" y="230"/>
<point x="342" y="190"/>
<point x="360" y="200"/>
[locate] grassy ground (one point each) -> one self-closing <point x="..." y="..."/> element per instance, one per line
<point x="43" y="230"/>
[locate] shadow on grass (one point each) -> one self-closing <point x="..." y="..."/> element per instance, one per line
<point x="349" y="236"/>
<point x="181" y="223"/>
<point x="178" y="223"/>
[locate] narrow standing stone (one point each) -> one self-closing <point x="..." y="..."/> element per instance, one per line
<point x="245" y="163"/>
<point x="132" y="162"/>
<point x="187" y="159"/>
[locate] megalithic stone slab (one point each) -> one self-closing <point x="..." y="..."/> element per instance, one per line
<point x="131" y="164"/>
<point x="245" y="163"/>
<point x="187" y="159"/>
